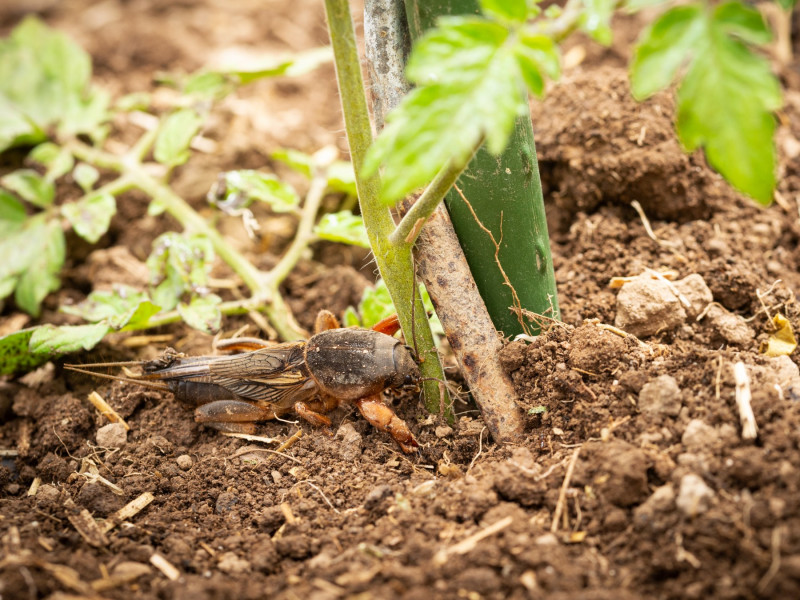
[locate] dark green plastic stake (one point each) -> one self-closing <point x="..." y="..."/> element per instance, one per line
<point x="506" y="193"/>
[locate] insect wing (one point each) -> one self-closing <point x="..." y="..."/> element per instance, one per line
<point x="276" y="375"/>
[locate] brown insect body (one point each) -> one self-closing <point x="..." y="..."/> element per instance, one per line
<point x="309" y="378"/>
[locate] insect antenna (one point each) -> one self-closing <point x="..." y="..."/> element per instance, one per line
<point x="155" y="385"/>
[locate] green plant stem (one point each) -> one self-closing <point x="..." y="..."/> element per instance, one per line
<point x="304" y="234"/>
<point x="394" y="261"/>
<point x="411" y="223"/>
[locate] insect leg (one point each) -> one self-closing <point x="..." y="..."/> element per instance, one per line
<point x="304" y="411"/>
<point x="232" y="415"/>
<point x="383" y="418"/>
<point x="389" y="325"/>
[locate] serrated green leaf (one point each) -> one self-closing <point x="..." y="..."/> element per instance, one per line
<point x="41" y="275"/>
<point x="202" y="313"/>
<point x="91" y="216"/>
<point x="51" y="341"/>
<point x="45" y="85"/>
<point x="86" y="176"/>
<point x="175" y="135"/>
<point x="728" y="94"/>
<point x="510" y="10"/>
<point x="535" y="55"/>
<point x="30" y="186"/>
<point x="344" y="227"/>
<point x="58" y="160"/>
<point x="724" y="105"/>
<point x="742" y="21"/>
<point x="136" y="318"/>
<point x="244" y="186"/>
<point x="663" y="48"/>
<point x="469" y="88"/>
<point x="299" y="161"/>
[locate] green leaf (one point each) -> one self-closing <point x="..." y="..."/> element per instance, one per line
<point x="244" y="186"/>
<point x="59" y="161"/>
<point x="91" y="216"/>
<point x="596" y="19"/>
<point x="41" y="274"/>
<point x="299" y="161"/>
<point x="509" y="10"/>
<point x="15" y="357"/>
<point x="179" y="264"/>
<point x="134" y="101"/>
<point x="202" y="313"/>
<point x="535" y="55"/>
<point x="469" y="88"/>
<point x="787" y="4"/>
<point x="744" y="22"/>
<point x="351" y="318"/>
<point x="728" y="94"/>
<point x="101" y="305"/>
<point x="45" y="85"/>
<point x="12" y="215"/>
<point x="376" y="304"/>
<point x="175" y="135"/>
<point x="209" y="85"/>
<point x="86" y="176"/>
<point x="663" y="48"/>
<point x="342" y="178"/>
<point x="342" y="227"/>
<point x="293" y="66"/>
<point x="52" y="341"/>
<point x="31" y="186"/>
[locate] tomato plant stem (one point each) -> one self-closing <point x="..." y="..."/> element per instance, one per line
<point x="394" y="261"/>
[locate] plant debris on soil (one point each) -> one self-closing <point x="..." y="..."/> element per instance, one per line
<point x="640" y="476"/>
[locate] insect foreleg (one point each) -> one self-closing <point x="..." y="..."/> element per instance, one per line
<point x="383" y="418"/>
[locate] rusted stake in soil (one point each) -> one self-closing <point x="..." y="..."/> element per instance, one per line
<point x="440" y="261"/>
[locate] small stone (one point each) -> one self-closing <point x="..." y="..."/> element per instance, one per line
<point x="225" y="502"/>
<point x="350" y="442"/>
<point x="184" y="462"/>
<point x="276" y="476"/>
<point x="698" y="434"/>
<point x="730" y="327"/>
<point x="661" y="500"/>
<point x="443" y="431"/>
<point x="546" y="539"/>
<point x="661" y="396"/>
<point x="47" y="494"/>
<point x="718" y="247"/>
<point x="13" y="489"/>
<point x="377" y="495"/>
<point x="113" y="435"/>
<point x="232" y="564"/>
<point x="694" y="289"/>
<point x="787" y="373"/>
<point x="694" y="496"/>
<point x="646" y="306"/>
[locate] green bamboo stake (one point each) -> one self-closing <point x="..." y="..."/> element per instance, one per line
<point x="504" y="196"/>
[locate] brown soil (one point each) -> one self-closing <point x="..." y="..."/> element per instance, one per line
<point x="635" y="443"/>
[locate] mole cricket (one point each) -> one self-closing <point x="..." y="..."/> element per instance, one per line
<point x="309" y="378"/>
